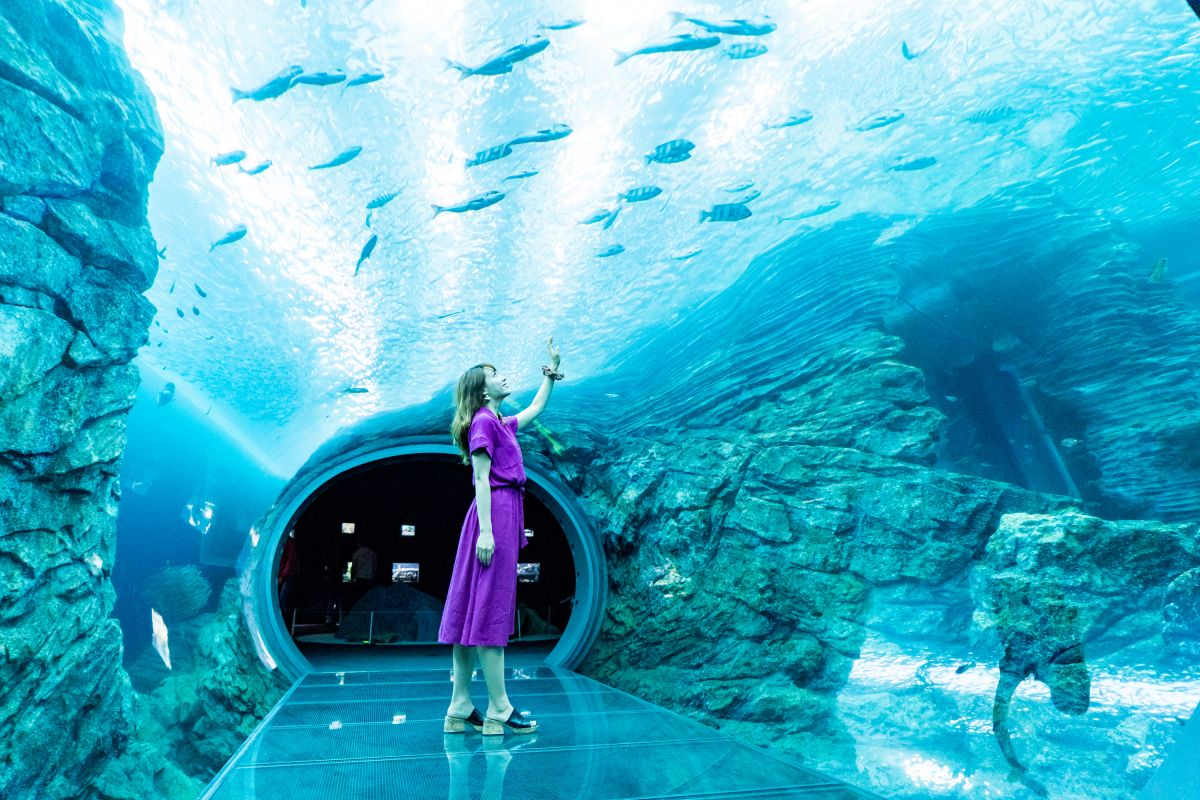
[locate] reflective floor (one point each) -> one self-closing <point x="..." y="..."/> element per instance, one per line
<point x="378" y="734"/>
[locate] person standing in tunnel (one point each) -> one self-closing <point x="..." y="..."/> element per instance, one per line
<point x="480" y="608"/>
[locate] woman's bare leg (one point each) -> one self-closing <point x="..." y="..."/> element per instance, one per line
<point x="492" y="661"/>
<point x="460" y="702"/>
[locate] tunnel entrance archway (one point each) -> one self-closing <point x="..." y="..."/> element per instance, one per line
<point x="585" y="556"/>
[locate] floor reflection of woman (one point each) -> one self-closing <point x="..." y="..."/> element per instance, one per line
<point x="481" y="602"/>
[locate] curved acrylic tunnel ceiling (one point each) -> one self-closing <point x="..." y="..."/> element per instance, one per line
<point x="397" y="436"/>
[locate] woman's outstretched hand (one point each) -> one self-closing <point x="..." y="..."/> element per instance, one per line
<point x="554" y="355"/>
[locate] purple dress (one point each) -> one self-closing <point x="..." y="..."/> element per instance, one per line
<point x="481" y="603"/>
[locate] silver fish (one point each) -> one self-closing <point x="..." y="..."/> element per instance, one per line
<point x="743" y="50"/>
<point x="824" y="208"/>
<point x="565" y="24"/>
<point x="364" y="78"/>
<point x="671" y="152"/>
<point x="799" y="118"/>
<point x="341" y="158"/>
<point x="256" y="169"/>
<point x="614" y="250"/>
<point x="474" y="204"/>
<point x="990" y="115"/>
<point x="598" y="215"/>
<point x="491" y="154"/>
<point x="229" y="238"/>
<point x="725" y="212"/>
<point x="516" y="176"/>
<point x="502" y="63"/>
<point x="557" y="131"/>
<point x="272" y="88"/>
<point x="200" y="291"/>
<point x="640" y="193"/>
<point x="672" y="44"/>
<point x="224" y="159"/>
<point x="887" y="118"/>
<point x="912" y="164"/>
<point x="735" y="27"/>
<point x="368" y="248"/>
<point x="320" y="78"/>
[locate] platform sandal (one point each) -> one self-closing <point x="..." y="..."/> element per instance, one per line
<point x="459" y="724"/>
<point x="515" y="723"/>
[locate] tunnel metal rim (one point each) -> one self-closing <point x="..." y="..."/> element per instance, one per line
<point x="591" y="579"/>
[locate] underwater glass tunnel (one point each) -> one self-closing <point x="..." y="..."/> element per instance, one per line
<point x="870" y="466"/>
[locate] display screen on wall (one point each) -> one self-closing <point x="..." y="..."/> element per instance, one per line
<point x="528" y="573"/>
<point x="529" y="533"/>
<point x="406" y="572"/>
<point x="347" y="527"/>
<point x="346" y="574"/>
<point x="408" y="530"/>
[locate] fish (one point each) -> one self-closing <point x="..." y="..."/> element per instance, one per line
<point x="341" y="158"/>
<point x="562" y="25"/>
<point x="556" y="131"/>
<point x="364" y="78"/>
<point x="614" y="250"/>
<point x="743" y="50"/>
<point x="799" y="118"/>
<point x="1069" y="443"/>
<point x="451" y="314"/>
<point x="163" y="254"/>
<point x="824" y="208"/>
<point x="887" y="118"/>
<point x="474" y="204"/>
<point x="725" y="212"/>
<point x="257" y="168"/>
<point x="195" y="311"/>
<point x="172" y="289"/>
<point x="382" y="200"/>
<point x="224" y="159"/>
<point x="274" y="87"/>
<point x="368" y="248"/>
<point x="491" y="154"/>
<point x="612" y="217"/>
<point x="671" y="152"/>
<point x="516" y="176"/>
<point x="598" y="215"/>
<point x="990" y="115"/>
<point x="229" y="238"/>
<point x="688" y="254"/>
<point x="735" y="27"/>
<point x="673" y="44"/>
<point x="963" y="668"/>
<point x="739" y="187"/>
<point x="179" y="312"/>
<point x="907" y="53"/>
<point x="502" y="63"/>
<point x="640" y="193"/>
<point x="1159" y="270"/>
<point x="167" y="394"/>
<point x="355" y="390"/>
<point x="912" y="164"/>
<point x="749" y="197"/>
<point x="320" y="78"/>
<point x="159" y="635"/>
<point x="200" y="291"/>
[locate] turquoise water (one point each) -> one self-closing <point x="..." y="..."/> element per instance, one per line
<point x="667" y="219"/>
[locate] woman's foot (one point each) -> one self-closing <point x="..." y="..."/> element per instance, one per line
<point x="459" y="710"/>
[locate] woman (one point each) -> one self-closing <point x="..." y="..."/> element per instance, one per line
<point x="481" y="603"/>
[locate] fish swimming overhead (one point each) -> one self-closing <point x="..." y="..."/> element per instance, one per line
<point x="502" y="63"/>
<point x="516" y="176"/>
<point x="640" y="193"/>
<point x="224" y="159"/>
<point x="235" y="234"/>
<point x="320" y="78"/>
<point x="598" y="215"/>
<point x="990" y="115"/>
<point x="614" y="250"/>
<point x="200" y="291"/>
<point x="734" y="27"/>
<point x="886" y="118"/>
<point x="565" y="24"/>
<point x="382" y="200"/>
<point x="743" y="50"/>
<point x="341" y="158"/>
<point x="257" y="168"/>
<point x="368" y="248"/>
<point x="725" y="212"/>
<point x="272" y="88"/>
<point x="365" y="77"/>
<point x="912" y="164"/>
<point x="556" y="131"/>
<point x="689" y="254"/>
<point x="671" y="152"/>
<point x="491" y="154"/>
<point x="824" y="208"/>
<point x="167" y="393"/>
<point x="799" y="118"/>
<point x="672" y="44"/>
<point x="474" y="204"/>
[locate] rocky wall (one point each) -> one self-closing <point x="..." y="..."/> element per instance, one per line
<point x="79" y="141"/>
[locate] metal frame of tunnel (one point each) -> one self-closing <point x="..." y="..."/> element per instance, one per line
<point x="591" y="580"/>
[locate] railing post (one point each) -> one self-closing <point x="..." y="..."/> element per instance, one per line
<point x="371" y="628"/>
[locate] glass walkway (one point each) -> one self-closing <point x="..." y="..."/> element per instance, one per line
<point x="378" y="734"/>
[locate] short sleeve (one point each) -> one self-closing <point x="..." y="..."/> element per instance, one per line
<point x="512" y="423"/>
<point x="482" y="435"/>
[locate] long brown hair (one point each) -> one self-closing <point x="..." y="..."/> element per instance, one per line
<point x="468" y="398"/>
